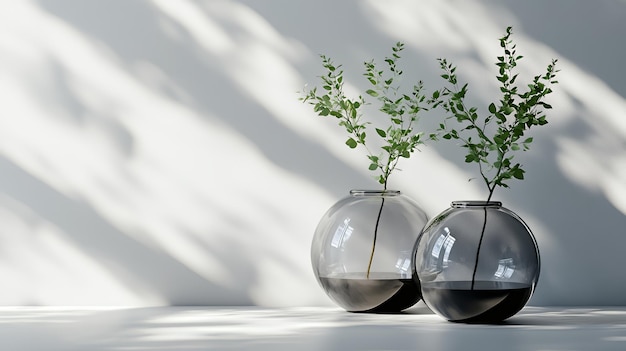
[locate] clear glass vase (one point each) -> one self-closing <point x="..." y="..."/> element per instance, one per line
<point x="477" y="262"/>
<point x="362" y="251"/>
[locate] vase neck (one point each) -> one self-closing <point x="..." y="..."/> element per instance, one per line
<point x="476" y="204"/>
<point x="376" y="193"/>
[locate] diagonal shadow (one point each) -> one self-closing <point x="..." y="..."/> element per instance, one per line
<point x="597" y="51"/>
<point x="214" y="93"/>
<point x="205" y="80"/>
<point x="139" y="267"/>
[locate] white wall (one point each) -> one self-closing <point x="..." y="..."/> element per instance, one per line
<point x="154" y="152"/>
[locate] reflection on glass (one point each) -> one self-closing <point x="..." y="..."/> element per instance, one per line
<point x="444" y="243"/>
<point x="342" y="234"/>
<point x="403" y="264"/>
<point x="505" y="270"/>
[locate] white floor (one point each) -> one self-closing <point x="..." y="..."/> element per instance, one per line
<point x="303" y="329"/>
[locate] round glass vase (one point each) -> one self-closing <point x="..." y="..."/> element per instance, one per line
<point x="362" y="251"/>
<point x="477" y="262"/>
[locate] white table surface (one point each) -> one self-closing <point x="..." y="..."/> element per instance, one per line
<point x="303" y="329"/>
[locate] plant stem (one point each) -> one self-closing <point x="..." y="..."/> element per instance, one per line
<point x="482" y="232"/>
<point x="380" y="211"/>
<point x="480" y="241"/>
<point x="492" y="188"/>
<point x="490" y="193"/>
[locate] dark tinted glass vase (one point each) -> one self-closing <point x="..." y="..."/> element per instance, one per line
<point x="477" y="262"/>
<point x="362" y="251"/>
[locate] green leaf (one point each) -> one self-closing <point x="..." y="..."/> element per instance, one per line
<point x="373" y="166"/>
<point x="372" y="93"/>
<point x="492" y="108"/>
<point x="546" y="106"/>
<point x="335" y="114"/>
<point x="351" y="143"/>
<point x="381" y="179"/>
<point x="381" y="132"/>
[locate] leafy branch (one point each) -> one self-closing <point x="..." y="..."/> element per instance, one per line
<point x="492" y="146"/>
<point x="399" y="138"/>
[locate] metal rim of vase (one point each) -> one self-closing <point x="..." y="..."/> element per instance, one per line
<point x="476" y="204"/>
<point x="359" y="192"/>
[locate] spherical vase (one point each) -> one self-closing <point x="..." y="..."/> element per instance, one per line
<point x="362" y="251"/>
<point x="477" y="262"/>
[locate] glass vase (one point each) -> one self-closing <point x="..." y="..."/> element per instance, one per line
<point x="477" y="262"/>
<point x="362" y="251"/>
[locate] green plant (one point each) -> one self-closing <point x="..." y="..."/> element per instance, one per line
<point x="492" y="146"/>
<point x="399" y="139"/>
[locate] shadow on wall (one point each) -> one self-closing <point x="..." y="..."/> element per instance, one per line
<point x="596" y="51"/>
<point x="140" y="268"/>
<point x="177" y="159"/>
<point x="203" y="74"/>
<point x="142" y="170"/>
